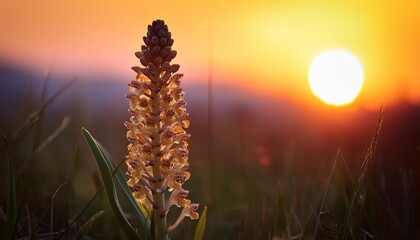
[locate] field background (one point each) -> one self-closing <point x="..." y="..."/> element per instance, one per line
<point x="247" y="151"/>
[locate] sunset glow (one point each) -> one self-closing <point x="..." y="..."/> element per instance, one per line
<point x="265" y="46"/>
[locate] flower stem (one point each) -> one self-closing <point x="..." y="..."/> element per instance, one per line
<point x="160" y="223"/>
<point x="159" y="198"/>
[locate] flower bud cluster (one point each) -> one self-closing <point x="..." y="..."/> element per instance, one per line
<point x="157" y="156"/>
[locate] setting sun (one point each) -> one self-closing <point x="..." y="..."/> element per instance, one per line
<point x="336" y="77"/>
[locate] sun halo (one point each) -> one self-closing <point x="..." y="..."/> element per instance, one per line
<point x="336" y="77"/>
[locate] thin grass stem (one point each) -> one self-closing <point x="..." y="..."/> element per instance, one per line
<point x="347" y="229"/>
<point x="324" y="196"/>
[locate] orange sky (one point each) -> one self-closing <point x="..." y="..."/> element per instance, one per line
<point x="264" y="45"/>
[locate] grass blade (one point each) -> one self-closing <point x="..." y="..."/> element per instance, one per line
<point x="361" y="175"/>
<point x="324" y="196"/>
<point x="79" y="215"/>
<point x="31" y="221"/>
<point x="63" y="126"/>
<point x="52" y="207"/>
<point x="87" y="226"/>
<point x="201" y="226"/>
<point x="11" y="212"/>
<point x="109" y="186"/>
<point x="281" y="220"/>
<point x="35" y="115"/>
<point x="77" y="167"/>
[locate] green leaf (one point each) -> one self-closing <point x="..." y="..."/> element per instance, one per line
<point x="201" y="225"/>
<point x="88" y="225"/>
<point x="140" y="212"/>
<point x="109" y="186"/>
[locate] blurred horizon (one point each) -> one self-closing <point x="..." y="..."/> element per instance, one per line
<point x="262" y="46"/>
<point x="90" y="98"/>
<point x="268" y="121"/>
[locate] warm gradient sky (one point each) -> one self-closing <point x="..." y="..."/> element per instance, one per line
<point x="265" y="45"/>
